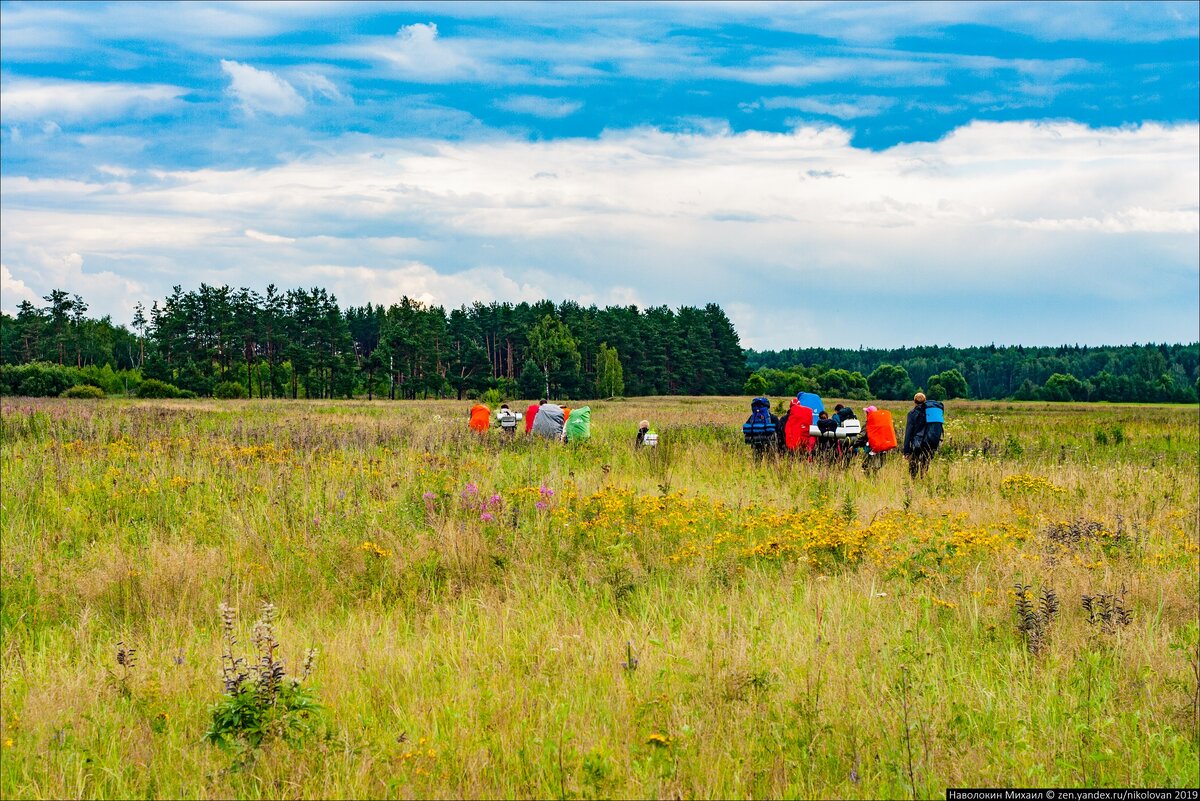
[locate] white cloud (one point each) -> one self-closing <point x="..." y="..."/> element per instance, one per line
<point x="1019" y="209"/>
<point x="416" y="52"/>
<point x="272" y="239"/>
<point x="58" y="101"/>
<point x="547" y="107"/>
<point x="13" y="291"/>
<point x="261" y="91"/>
<point x="843" y="107"/>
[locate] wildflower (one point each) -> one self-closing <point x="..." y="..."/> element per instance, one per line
<point x="546" y="492"/>
<point x="8" y="742"/>
<point x="429" y="496"/>
<point x="486" y="517"/>
<point x="495" y="500"/>
<point x="541" y="506"/>
<point x="470" y="490"/>
<point x="660" y="740"/>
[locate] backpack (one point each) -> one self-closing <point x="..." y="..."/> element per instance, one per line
<point x="795" y="431"/>
<point x="881" y="434"/>
<point x="812" y="401"/>
<point x="508" y="419"/>
<point x="935" y="420"/>
<point x="759" y="428"/>
<point x="649" y="440"/>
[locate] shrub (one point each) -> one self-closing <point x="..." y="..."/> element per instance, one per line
<point x="83" y="391"/>
<point x="37" y="379"/>
<point x="229" y="390"/>
<point x="153" y="388"/>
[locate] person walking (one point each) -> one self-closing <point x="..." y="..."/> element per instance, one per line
<point x="923" y="433"/>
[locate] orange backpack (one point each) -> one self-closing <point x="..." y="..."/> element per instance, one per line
<point x="481" y="418"/>
<point x="881" y="435"/>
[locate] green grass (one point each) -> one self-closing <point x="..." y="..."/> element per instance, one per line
<point x="799" y="630"/>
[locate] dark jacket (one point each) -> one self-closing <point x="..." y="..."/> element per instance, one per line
<point x="924" y="426"/>
<point x="843" y="414"/>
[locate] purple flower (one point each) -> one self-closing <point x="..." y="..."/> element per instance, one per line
<point x="316" y="520"/>
<point x="546" y="492"/>
<point x="495" y="500"/>
<point x="486" y="517"/>
<point x="429" y="496"/>
<point x="541" y="506"/>
<point x="470" y="489"/>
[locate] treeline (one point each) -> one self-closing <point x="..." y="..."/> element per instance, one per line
<point x="1127" y="373"/>
<point x="300" y="343"/>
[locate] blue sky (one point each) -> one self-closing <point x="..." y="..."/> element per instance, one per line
<point x="836" y="174"/>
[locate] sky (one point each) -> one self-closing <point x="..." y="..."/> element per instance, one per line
<point x="832" y="174"/>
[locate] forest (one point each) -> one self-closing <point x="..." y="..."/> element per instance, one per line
<point x="1126" y="373"/>
<point x="299" y="343"/>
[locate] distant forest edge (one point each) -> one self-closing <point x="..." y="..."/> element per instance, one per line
<point x="1124" y="373"/>
<point x="230" y="343"/>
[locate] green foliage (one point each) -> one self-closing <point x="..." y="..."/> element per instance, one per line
<point x="229" y="390"/>
<point x="551" y="346"/>
<point x="890" y="382"/>
<point x="261" y="702"/>
<point x="492" y="397"/>
<point x="86" y="391"/>
<point x="39" y="379"/>
<point x="948" y="384"/>
<point x="153" y="388"/>
<point x="610" y="376"/>
<point x="1128" y="373"/>
<point x="755" y="385"/>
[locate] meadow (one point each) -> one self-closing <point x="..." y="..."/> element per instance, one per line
<point x="491" y="618"/>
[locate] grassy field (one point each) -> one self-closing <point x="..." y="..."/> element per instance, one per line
<point x="511" y="618"/>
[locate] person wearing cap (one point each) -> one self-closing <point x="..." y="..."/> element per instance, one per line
<point x="644" y="436"/>
<point x="923" y="433"/>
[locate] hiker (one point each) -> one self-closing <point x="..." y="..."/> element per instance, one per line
<point x="923" y="433"/>
<point x="531" y="413"/>
<point x="796" y="425"/>
<point x="579" y="425"/>
<point x="842" y="414"/>
<point x="645" y="438"/>
<point x="507" y="419"/>
<point x="549" y="421"/>
<point x="827" y="443"/>
<point x="877" y="439"/>
<point x="760" y="427"/>
<point x="481" y="418"/>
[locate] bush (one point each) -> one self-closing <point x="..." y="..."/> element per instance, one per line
<point x="229" y="390"/>
<point x="37" y="379"/>
<point x="86" y="391"/>
<point x="153" y="388"/>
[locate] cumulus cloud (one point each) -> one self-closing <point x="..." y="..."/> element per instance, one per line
<point x="13" y="291"/>
<point x="416" y="52"/>
<point x="546" y="107"/>
<point x="261" y="91"/>
<point x="48" y="101"/>
<point x="1022" y="210"/>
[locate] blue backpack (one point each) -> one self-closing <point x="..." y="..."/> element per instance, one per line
<point x="812" y="401"/>
<point x="759" y="428"/>
<point x="935" y="420"/>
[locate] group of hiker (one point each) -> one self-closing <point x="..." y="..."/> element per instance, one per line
<point x="807" y="430"/>
<point x="542" y="419"/>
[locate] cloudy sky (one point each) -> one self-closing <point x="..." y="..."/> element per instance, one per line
<point x="835" y="174"/>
